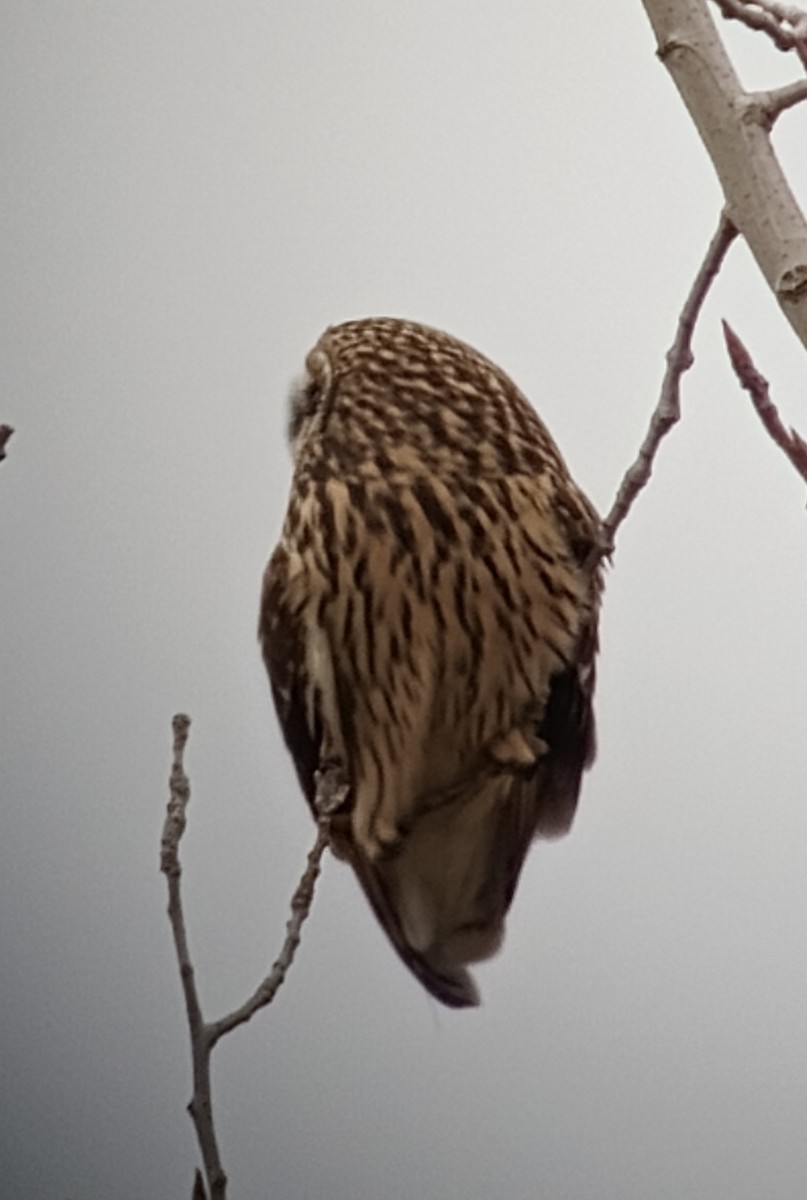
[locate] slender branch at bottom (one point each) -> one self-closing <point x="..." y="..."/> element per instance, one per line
<point x="204" y="1035"/>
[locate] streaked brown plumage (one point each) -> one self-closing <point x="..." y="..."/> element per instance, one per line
<point x="429" y="628"/>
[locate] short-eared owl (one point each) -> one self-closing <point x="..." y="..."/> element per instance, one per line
<point x="429" y="625"/>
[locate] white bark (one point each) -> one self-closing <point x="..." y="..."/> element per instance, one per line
<point x="734" y="126"/>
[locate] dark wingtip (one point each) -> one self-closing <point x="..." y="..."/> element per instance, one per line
<point x="452" y="985"/>
<point x="455" y="989"/>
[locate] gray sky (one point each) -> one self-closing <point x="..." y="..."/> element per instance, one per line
<point x="190" y="193"/>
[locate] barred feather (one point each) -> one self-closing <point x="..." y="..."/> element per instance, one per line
<point x="428" y="623"/>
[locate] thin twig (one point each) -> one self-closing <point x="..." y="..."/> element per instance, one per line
<point x="787" y="15"/>
<point x="791" y="443"/>
<point x="205" y="1035"/>
<point x="5" y="433"/>
<point x="756" y="18"/>
<point x="668" y="408"/>
<point x="200" y="1107"/>
<point x="784" y="24"/>
<point x="300" y="907"/>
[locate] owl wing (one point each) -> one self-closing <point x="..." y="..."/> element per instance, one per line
<point x="454" y="875"/>
<point x="443" y="892"/>
<point x="281" y="632"/>
<point x="568" y="725"/>
<point x="283" y="636"/>
<point x="567" y="728"/>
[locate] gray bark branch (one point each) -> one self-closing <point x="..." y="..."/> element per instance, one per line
<point x="735" y="130"/>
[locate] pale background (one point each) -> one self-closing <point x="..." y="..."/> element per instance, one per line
<point x="191" y="191"/>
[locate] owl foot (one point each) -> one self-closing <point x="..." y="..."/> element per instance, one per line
<point x="333" y="789"/>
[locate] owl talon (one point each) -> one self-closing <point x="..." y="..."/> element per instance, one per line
<point x="333" y="789"/>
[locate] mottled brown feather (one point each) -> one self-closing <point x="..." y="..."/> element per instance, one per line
<point x="429" y="626"/>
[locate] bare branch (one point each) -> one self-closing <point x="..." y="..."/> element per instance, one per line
<point x="180" y="794"/>
<point x="755" y="17"/>
<point x="668" y="409"/>
<point x="735" y="130"/>
<point x="300" y="907"/>
<point x="777" y="100"/>
<point x="203" y="1035"/>
<point x="200" y="1107"/>
<point x="784" y="24"/>
<point x="790" y="442"/>
<point x="792" y="20"/>
<point x="5" y="433"/>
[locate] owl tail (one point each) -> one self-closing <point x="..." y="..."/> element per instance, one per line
<point x="442" y="895"/>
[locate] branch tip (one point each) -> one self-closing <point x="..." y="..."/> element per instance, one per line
<point x="790" y="442"/>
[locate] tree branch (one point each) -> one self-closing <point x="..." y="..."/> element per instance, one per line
<point x="736" y="133"/>
<point x="791" y="443"/>
<point x="204" y="1035"/>
<point x="784" y="24"/>
<point x="777" y="100"/>
<point x="668" y="409"/>
<point x="300" y="907"/>
<point x="200" y="1107"/>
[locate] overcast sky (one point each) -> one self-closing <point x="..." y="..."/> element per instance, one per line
<point x="191" y="192"/>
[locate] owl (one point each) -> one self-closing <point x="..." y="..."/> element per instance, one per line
<point x="429" y="626"/>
